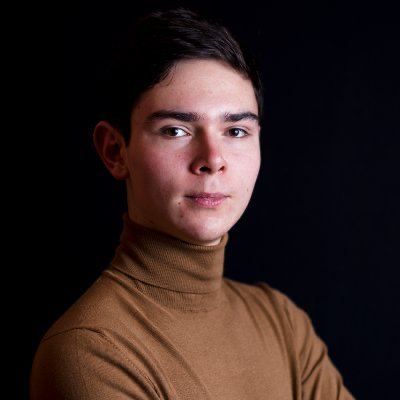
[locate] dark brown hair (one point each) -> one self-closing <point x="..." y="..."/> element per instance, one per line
<point x="150" y="49"/>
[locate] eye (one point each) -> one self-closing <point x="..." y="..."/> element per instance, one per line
<point x="174" y="132"/>
<point x="238" y="131"/>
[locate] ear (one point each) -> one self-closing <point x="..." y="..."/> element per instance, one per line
<point x="110" y="146"/>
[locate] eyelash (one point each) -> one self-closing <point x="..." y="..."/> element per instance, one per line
<point x="232" y="129"/>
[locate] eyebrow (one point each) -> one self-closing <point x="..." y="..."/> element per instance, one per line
<point x="195" y="117"/>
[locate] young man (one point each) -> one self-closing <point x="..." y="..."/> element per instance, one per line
<point x="161" y="322"/>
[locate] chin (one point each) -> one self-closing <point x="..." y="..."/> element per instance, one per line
<point x="203" y="233"/>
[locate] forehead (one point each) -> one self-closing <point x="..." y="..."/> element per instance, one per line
<point x="207" y="87"/>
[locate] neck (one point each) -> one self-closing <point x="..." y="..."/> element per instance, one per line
<point x="173" y="271"/>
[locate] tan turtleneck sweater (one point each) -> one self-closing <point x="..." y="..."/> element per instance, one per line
<point x="161" y="322"/>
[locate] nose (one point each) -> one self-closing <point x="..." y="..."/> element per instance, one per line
<point x="208" y="158"/>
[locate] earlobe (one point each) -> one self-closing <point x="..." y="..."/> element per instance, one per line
<point x="110" y="147"/>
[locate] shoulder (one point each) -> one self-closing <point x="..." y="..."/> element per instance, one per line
<point x="266" y="301"/>
<point x="83" y="363"/>
<point x="96" y="309"/>
<point x="58" y="362"/>
<point x="267" y="298"/>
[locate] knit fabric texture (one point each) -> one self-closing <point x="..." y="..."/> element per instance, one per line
<point x="162" y="322"/>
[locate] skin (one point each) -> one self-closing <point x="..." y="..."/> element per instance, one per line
<point x="169" y="158"/>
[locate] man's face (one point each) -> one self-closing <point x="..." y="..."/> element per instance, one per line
<point x="193" y="132"/>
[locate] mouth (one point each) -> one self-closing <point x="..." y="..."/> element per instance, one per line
<point x="204" y="195"/>
<point x="207" y="200"/>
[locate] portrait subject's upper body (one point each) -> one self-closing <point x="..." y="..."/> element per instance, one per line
<point x="181" y="129"/>
<point x="161" y="322"/>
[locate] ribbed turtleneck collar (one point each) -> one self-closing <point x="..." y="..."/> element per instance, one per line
<point x="172" y="271"/>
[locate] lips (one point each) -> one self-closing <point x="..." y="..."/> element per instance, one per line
<point x="204" y="195"/>
<point x="207" y="200"/>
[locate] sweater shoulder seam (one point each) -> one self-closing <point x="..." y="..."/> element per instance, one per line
<point x="108" y="340"/>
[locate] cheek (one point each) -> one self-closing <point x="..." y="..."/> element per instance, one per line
<point x="157" y="172"/>
<point x="247" y="166"/>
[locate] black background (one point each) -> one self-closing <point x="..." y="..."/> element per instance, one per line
<point x="322" y="225"/>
